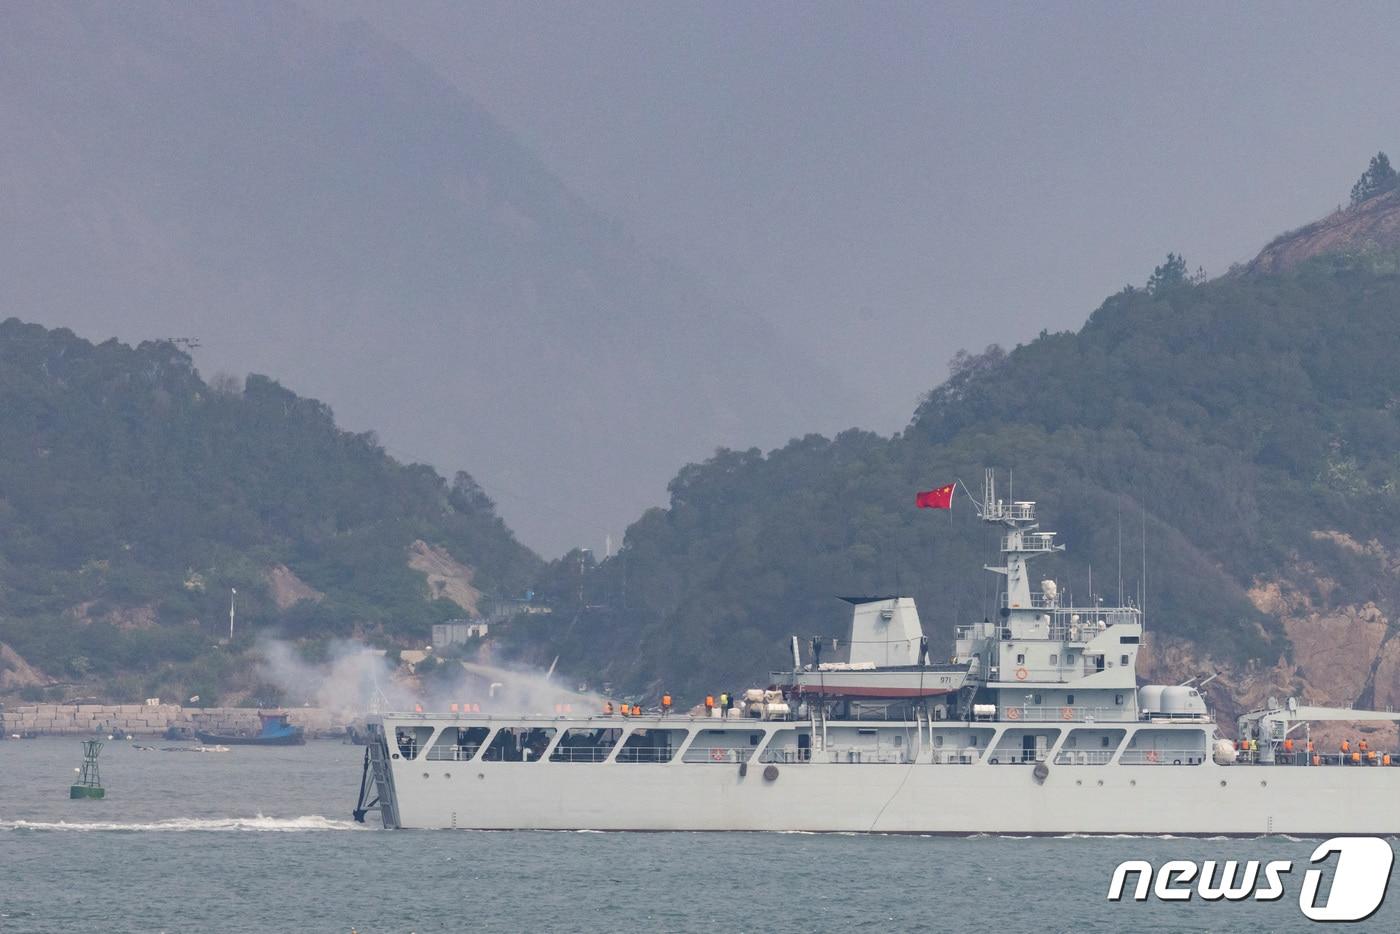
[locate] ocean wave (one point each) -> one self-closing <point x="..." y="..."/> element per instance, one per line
<point x="191" y="824"/>
<point x="1122" y="836"/>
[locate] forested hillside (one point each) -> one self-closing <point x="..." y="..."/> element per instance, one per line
<point x="134" y="496"/>
<point x="1248" y="425"/>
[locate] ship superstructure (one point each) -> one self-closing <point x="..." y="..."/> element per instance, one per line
<point x="1036" y="725"/>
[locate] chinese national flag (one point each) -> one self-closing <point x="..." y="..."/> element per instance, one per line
<point x="941" y="498"/>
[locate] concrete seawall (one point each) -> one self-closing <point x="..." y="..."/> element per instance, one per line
<point x="96" y="719"/>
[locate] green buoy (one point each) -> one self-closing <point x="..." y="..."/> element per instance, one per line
<point x="89" y="784"/>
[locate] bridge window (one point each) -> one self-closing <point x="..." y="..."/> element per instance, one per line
<point x="1069" y="699"/>
<point x="519" y="744"/>
<point x="458" y="743"/>
<point x="1054" y="659"/>
<point x="1076" y="752"/>
<point x="651" y="745"/>
<point x="410" y="739"/>
<point x="1020" y="659"/>
<point x="585" y="745"/>
<point x="721" y="746"/>
<point x="1124" y="661"/>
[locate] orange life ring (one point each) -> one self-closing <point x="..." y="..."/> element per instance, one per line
<point x="1151" y="755"/>
<point x="1022" y="674"/>
<point x="717" y="754"/>
<point x="1066" y="713"/>
<point x="1013" y="713"/>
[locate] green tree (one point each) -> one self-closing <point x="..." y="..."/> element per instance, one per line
<point x="1378" y="178"/>
<point x="1169" y="275"/>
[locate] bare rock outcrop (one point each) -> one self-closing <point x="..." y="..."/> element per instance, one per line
<point x="1344" y="653"/>
<point x="448" y="579"/>
<point x="16" y="673"/>
<point x="1371" y="226"/>
<point x="287" y="589"/>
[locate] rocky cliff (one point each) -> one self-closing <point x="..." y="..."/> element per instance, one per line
<point x="1373" y="226"/>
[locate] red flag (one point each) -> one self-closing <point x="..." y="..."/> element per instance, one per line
<point x="941" y="498"/>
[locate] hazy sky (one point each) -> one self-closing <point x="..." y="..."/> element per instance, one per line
<point x="891" y="182"/>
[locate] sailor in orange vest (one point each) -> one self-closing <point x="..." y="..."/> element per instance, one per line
<point x="665" y="704"/>
<point x="608" y="708"/>
<point x="1346" y="748"/>
<point x="1362" y="745"/>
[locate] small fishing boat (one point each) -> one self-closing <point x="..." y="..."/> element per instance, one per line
<point x="276" y="731"/>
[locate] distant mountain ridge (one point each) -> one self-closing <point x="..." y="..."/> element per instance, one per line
<point x="307" y="199"/>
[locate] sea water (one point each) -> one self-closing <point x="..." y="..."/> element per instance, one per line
<point x="260" y="839"/>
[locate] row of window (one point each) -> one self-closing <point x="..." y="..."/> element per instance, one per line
<point x="529" y="744"/>
<point x="1069" y="659"/>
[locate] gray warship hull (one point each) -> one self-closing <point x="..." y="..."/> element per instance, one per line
<point x="917" y="796"/>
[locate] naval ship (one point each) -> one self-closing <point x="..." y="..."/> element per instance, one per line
<point x="1037" y="725"/>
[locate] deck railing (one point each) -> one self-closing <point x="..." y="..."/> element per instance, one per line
<point x="1063" y="714"/>
<point x="580" y="754"/>
<point x="1021" y="512"/>
<point x="1162" y="757"/>
<point x="645" y="754"/>
<point x="1083" y="756"/>
<point x="717" y="755"/>
<point x="452" y="753"/>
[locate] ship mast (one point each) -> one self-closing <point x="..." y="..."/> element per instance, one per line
<point x="1044" y="658"/>
<point x="1021" y="542"/>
